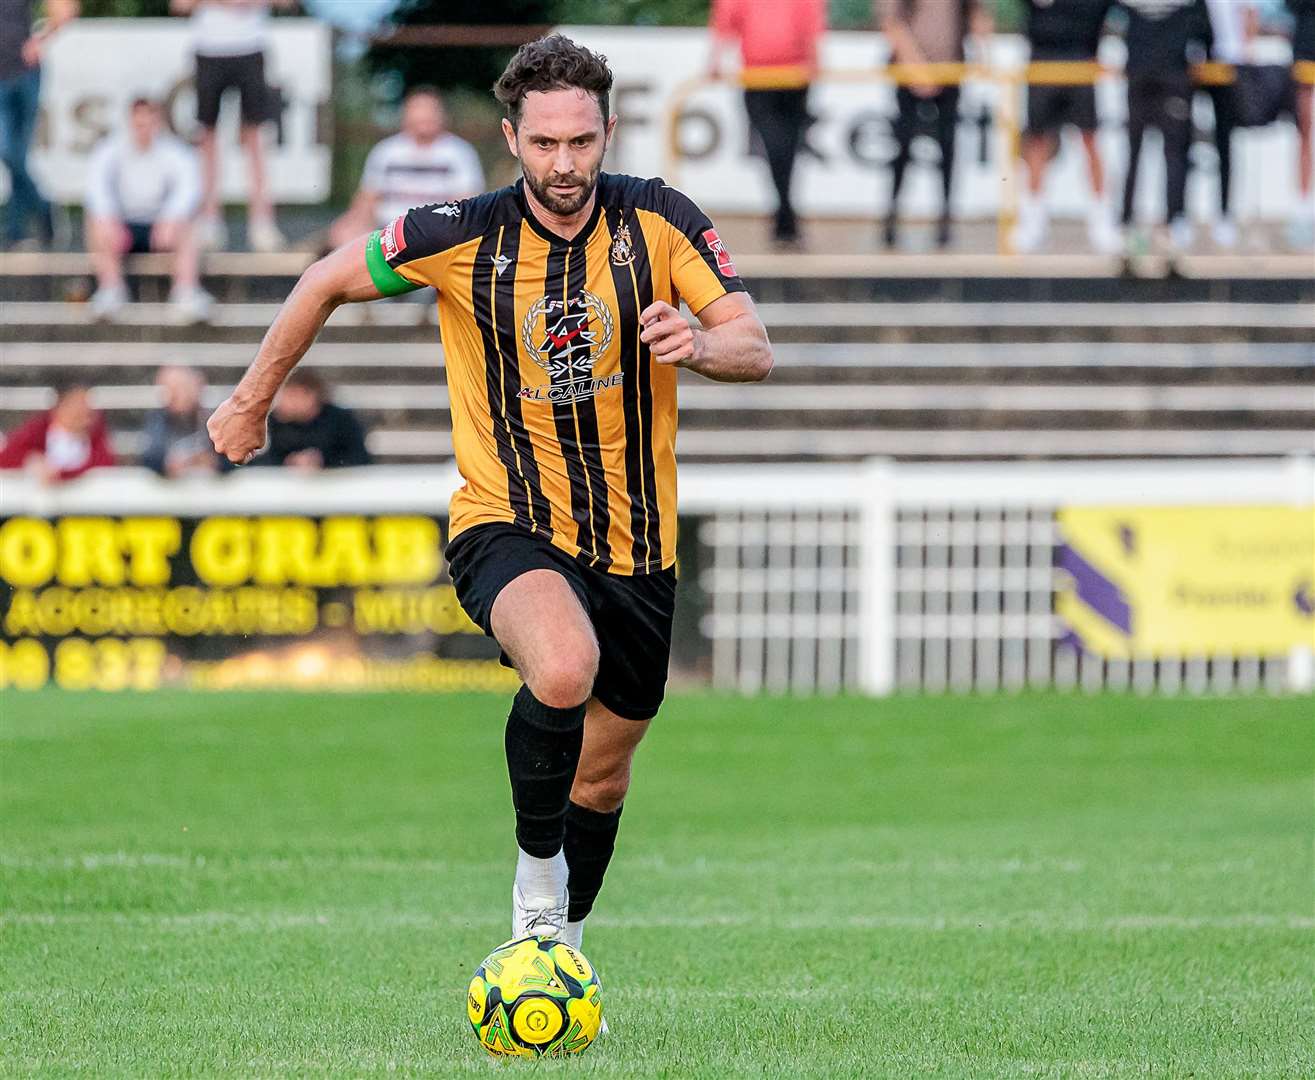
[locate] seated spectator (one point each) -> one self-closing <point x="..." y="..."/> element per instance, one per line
<point x="424" y="163"/>
<point x="176" y="440"/>
<point x="307" y="431"/>
<point x="143" y="189"/>
<point x="61" y="443"/>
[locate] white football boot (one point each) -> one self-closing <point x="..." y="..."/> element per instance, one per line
<point x="537" y="916"/>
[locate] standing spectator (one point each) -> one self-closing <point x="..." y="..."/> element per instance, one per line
<point x="231" y="38"/>
<point x="308" y="432"/>
<point x="21" y="47"/>
<point x="778" y="42"/>
<point x="61" y="443"/>
<point x="176" y="440"/>
<point x="1058" y="31"/>
<point x="1164" y="38"/>
<point x="1301" y="228"/>
<point x="142" y="194"/>
<point x="927" y="32"/>
<point x="1232" y="26"/>
<point x="423" y="163"/>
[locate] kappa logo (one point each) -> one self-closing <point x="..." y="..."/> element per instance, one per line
<point x="718" y="248"/>
<point x="566" y="338"/>
<point x="500" y="263"/>
<point x="451" y="210"/>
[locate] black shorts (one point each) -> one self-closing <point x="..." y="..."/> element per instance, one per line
<point x="1303" y="37"/>
<point x="631" y="614"/>
<point x="1051" y="108"/>
<point x="246" y="75"/>
<point x="139" y="234"/>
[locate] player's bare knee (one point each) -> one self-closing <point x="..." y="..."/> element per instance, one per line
<point x="566" y="678"/>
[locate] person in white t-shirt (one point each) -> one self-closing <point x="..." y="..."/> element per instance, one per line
<point x="230" y="38"/>
<point x="424" y="163"/>
<point x="143" y="189"/>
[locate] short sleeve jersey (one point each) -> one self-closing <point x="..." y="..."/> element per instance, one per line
<point x="562" y="423"/>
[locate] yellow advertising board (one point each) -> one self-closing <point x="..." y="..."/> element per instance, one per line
<point x="1148" y="582"/>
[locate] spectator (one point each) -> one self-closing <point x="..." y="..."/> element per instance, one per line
<point x="1301" y="228"/>
<point x="423" y="163"/>
<point x="1057" y="31"/>
<point x="20" y="91"/>
<point x="927" y="32"/>
<point x="142" y="193"/>
<point x="61" y="443"/>
<point x="177" y="443"/>
<point x="230" y="38"/>
<point x="778" y="60"/>
<point x="1233" y="24"/>
<point x="309" y="432"/>
<point x="1164" y="38"/>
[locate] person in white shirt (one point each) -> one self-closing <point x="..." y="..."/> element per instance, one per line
<point x="230" y="38"/>
<point x="424" y="163"/>
<point x="143" y="189"/>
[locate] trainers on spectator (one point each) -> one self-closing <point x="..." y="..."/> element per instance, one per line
<point x="1102" y="233"/>
<point x="107" y="303"/>
<point x="1180" y="235"/>
<point x="1224" y="234"/>
<point x="265" y="236"/>
<point x="191" y="304"/>
<point x="1033" y="223"/>
<point x="212" y="234"/>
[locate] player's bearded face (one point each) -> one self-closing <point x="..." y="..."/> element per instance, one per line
<point x="561" y="142"/>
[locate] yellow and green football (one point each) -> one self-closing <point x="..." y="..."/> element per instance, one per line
<point x="535" y="997"/>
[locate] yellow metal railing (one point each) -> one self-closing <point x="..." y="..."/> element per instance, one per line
<point x="1011" y="83"/>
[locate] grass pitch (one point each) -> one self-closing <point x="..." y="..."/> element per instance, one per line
<point x="295" y="885"/>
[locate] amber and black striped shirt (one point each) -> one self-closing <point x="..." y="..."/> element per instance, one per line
<point x="561" y="421"/>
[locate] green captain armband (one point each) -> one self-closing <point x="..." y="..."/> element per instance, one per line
<point x="387" y="280"/>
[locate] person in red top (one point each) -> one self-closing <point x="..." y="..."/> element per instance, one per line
<point x="778" y="60"/>
<point x="61" y="443"/>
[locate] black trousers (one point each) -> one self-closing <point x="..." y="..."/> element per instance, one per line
<point x="1224" y="100"/>
<point x="939" y="115"/>
<point x="779" y="117"/>
<point x="1161" y="100"/>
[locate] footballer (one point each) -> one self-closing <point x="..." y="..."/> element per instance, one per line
<point x="558" y="305"/>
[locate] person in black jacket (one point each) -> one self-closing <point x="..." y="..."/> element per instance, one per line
<point x="1165" y="37"/>
<point x="307" y="431"/>
<point x="1063" y="31"/>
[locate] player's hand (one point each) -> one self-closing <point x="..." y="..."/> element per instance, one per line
<point x="670" y="339"/>
<point x="238" y="430"/>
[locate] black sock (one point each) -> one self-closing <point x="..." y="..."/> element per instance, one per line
<point x="543" y="750"/>
<point x="590" y="838"/>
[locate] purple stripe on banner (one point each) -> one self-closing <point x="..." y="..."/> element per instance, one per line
<point x="1096" y="590"/>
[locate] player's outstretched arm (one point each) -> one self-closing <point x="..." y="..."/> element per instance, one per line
<point x="732" y="346"/>
<point x="238" y="426"/>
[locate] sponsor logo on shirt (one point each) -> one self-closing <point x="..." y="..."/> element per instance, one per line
<point x="566" y="338"/>
<point x="393" y="239"/>
<point x="718" y="248"/>
<point x="451" y="210"/>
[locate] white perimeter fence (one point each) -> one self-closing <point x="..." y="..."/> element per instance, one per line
<point x="873" y="577"/>
<point x="887" y="577"/>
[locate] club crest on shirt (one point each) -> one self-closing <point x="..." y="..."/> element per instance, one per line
<point x="623" y="248"/>
<point x="566" y="338"/>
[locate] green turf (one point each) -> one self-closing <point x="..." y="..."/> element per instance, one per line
<point x="1014" y="887"/>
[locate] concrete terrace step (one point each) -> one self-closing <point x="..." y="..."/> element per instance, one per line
<point x="1079" y="357"/>
<point x="806" y="323"/>
<point x="737" y="400"/>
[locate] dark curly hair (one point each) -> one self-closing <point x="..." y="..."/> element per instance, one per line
<point x="554" y="62"/>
